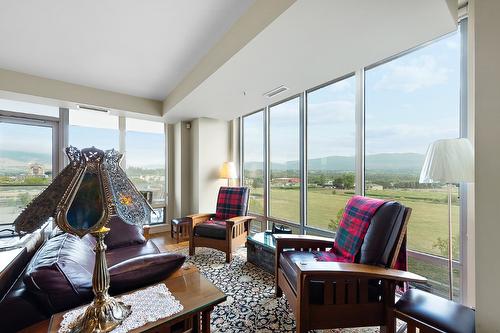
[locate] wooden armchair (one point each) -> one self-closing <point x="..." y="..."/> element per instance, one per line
<point x="227" y="228"/>
<point x="325" y="295"/>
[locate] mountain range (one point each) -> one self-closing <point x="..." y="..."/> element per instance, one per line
<point x="376" y="162"/>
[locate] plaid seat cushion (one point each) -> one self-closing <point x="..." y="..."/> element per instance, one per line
<point x="355" y="221"/>
<point x="232" y="202"/>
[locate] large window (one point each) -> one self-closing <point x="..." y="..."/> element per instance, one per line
<point x="284" y="157"/>
<point x="330" y="152"/>
<point x="369" y="137"/>
<point x="93" y="128"/>
<point x="25" y="165"/>
<point x="253" y="155"/>
<point x="412" y="101"/>
<point x="145" y="156"/>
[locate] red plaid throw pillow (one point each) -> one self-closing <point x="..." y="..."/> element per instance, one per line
<point x="355" y="221"/>
<point x="231" y="202"/>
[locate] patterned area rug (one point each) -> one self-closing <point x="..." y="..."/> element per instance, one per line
<point x="251" y="305"/>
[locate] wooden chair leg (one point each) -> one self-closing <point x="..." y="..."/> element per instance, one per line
<point x="191" y="245"/>
<point x="228" y="256"/>
<point x="277" y="291"/>
<point x="172" y="230"/>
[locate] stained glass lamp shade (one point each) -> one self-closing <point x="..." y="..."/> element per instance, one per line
<point x="82" y="199"/>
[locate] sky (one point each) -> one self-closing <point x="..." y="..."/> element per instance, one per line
<point x="144" y="149"/>
<point x="410" y="102"/>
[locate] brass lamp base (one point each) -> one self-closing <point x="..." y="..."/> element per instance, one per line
<point x="105" y="313"/>
<point x="101" y="317"/>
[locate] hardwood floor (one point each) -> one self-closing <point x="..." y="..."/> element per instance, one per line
<point x="165" y="242"/>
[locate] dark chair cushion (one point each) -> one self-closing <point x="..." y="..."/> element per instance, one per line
<point x="122" y="234"/>
<point x="288" y="262"/>
<point x="211" y="229"/>
<point x="143" y="270"/>
<point x="438" y="312"/>
<point x="60" y="273"/>
<point x="382" y="234"/>
<point x="232" y="202"/>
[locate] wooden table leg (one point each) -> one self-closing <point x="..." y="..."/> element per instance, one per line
<point x="196" y="323"/>
<point x="205" y="320"/>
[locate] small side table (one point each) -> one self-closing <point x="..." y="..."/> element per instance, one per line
<point x="261" y="251"/>
<point x="180" y="228"/>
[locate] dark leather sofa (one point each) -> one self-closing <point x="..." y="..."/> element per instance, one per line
<point x="59" y="275"/>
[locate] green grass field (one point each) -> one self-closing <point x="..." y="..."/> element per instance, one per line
<point x="428" y="220"/>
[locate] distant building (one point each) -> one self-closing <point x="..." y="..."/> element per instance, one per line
<point x="374" y="187"/>
<point x="286" y="181"/>
<point x="36" y="170"/>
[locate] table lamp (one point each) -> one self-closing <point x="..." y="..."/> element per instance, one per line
<point x="449" y="161"/>
<point x="82" y="198"/>
<point x="228" y="171"/>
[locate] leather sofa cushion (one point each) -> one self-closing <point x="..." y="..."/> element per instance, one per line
<point x="60" y="273"/>
<point x="143" y="270"/>
<point x="211" y="229"/>
<point x="123" y="234"/>
<point x="18" y="309"/>
<point x="118" y="255"/>
<point x="381" y="235"/>
<point x="436" y="311"/>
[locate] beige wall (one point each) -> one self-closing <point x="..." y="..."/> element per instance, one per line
<point x="485" y="14"/>
<point x="182" y="170"/>
<point x="197" y="155"/>
<point x="19" y="83"/>
<point x="210" y="148"/>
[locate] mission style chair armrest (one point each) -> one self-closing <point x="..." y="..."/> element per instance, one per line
<point x="197" y="218"/>
<point x="237" y="225"/>
<point x="324" y="269"/>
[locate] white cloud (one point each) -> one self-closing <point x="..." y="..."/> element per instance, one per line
<point x="409" y="76"/>
<point x="333" y="112"/>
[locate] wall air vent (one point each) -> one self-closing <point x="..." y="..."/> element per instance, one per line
<point x="92" y="108"/>
<point x="275" y="91"/>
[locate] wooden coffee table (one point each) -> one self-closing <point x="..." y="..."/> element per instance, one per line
<point x="194" y="292"/>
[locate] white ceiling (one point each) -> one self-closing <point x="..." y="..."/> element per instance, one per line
<point x="140" y="48"/>
<point x="309" y="44"/>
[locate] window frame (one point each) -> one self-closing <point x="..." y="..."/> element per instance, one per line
<point x="360" y="107"/>
<point x="60" y="138"/>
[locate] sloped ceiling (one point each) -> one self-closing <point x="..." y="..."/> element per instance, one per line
<point x="311" y="43"/>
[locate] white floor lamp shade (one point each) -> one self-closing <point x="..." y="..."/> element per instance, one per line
<point x="449" y="161"/>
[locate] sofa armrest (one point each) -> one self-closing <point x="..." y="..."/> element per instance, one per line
<point x="340" y="269"/>
<point x="202" y="217"/>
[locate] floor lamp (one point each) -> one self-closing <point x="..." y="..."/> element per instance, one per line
<point x="449" y="161"/>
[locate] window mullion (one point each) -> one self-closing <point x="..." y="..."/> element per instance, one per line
<point x="360" y="132"/>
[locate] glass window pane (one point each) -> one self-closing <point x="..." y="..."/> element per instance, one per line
<point x="284" y="127"/>
<point x="29" y="108"/>
<point x="145" y="156"/>
<point x="253" y="160"/>
<point x="93" y="128"/>
<point x="330" y="152"/>
<point x="25" y="166"/>
<point x="410" y="102"/>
